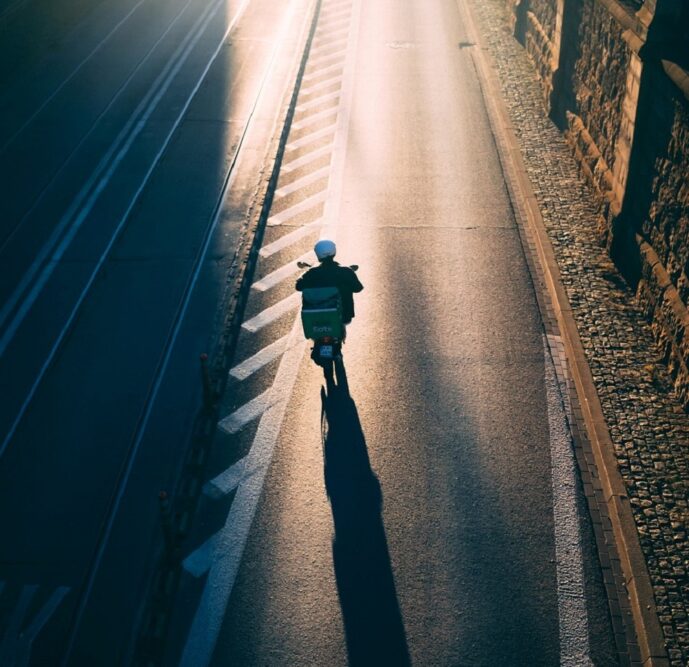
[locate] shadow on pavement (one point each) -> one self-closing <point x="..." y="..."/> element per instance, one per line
<point x="370" y="610"/>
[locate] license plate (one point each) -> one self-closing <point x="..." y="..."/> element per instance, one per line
<point x="327" y="351"/>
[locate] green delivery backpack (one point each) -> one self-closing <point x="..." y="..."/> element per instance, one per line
<point x="321" y="312"/>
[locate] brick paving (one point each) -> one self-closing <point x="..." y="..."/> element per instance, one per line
<point x="649" y="429"/>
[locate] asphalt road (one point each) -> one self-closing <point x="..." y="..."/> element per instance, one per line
<point x="429" y="513"/>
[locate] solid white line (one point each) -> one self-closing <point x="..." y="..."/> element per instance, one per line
<point x="288" y="239"/>
<point x="571" y="594"/>
<point x="310" y="138"/>
<point x="323" y="72"/>
<point x="226" y="482"/>
<point x="305" y="159"/>
<point x="198" y="562"/>
<point x="331" y="81"/>
<point x="250" y="411"/>
<point x="302" y="182"/>
<point x="253" y="364"/>
<point x="231" y="539"/>
<point x="122" y="222"/>
<point x="297" y="209"/>
<point x="281" y="274"/>
<point x="269" y="315"/>
<point x="317" y="101"/>
<point x="43" y="259"/>
<point x="316" y="118"/>
<point x="331" y="211"/>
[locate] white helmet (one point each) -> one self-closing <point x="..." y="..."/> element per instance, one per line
<point x="324" y="249"/>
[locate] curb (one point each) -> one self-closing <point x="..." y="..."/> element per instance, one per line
<point x="632" y="560"/>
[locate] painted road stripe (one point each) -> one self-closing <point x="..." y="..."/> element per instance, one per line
<point x="253" y="364"/>
<point x="303" y="182"/>
<point x="321" y="58"/>
<point x="230" y="541"/>
<point x="306" y="159"/>
<point x="318" y="101"/>
<point x="250" y="411"/>
<point x="323" y="72"/>
<point x="198" y="562"/>
<point x="288" y="239"/>
<point x="226" y="482"/>
<point x="323" y="41"/>
<point x="316" y="118"/>
<point x="293" y="211"/>
<point x="310" y="138"/>
<point x="269" y="315"/>
<point x="331" y="81"/>
<point x="281" y="274"/>
<point x="574" y="635"/>
<point x="338" y="43"/>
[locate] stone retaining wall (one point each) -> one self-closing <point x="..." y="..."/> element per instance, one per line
<point x="615" y="79"/>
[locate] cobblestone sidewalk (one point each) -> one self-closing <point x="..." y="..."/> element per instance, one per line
<point x="649" y="430"/>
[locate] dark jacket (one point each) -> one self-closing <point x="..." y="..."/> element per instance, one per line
<point x="330" y="274"/>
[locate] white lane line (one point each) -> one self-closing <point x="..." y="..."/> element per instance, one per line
<point x="310" y="138"/>
<point x="281" y="274"/>
<point x="226" y="482"/>
<point x="254" y="363"/>
<point x="316" y="118"/>
<point x="317" y="101"/>
<point x="120" y="225"/>
<point x="27" y="638"/>
<point x="269" y="315"/>
<point x="198" y="562"/>
<point x="249" y="412"/>
<point x="10" y="643"/>
<point x="305" y="159"/>
<point x="52" y="250"/>
<point x="330" y="81"/>
<point x="293" y="211"/>
<point x="323" y="72"/>
<point x="231" y="539"/>
<point x="303" y="182"/>
<point x="571" y="594"/>
<point x="288" y="239"/>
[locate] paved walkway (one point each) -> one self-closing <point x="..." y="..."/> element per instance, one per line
<point x="648" y="428"/>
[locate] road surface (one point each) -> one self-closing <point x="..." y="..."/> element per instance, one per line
<point x="427" y="510"/>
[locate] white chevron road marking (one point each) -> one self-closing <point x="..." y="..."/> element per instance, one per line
<point x="330" y="81"/>
<point x="297" y="209"/>
<point x="314" y="119"/>
<point x="198" y="562"/>
<point x="317" y="74"/>
<point x="317" y="101"/>
<point x="269" y="315"/>
<point x="226" y="481"/>
<point x="250" y="411"/>
<point x="310" y="138"/>
<point x="253" y="364"/>
<point x="281" y="274"/>
<point x="305" y="159"/>
<point x="303" y="182"/>
<point x="288" y="239"/>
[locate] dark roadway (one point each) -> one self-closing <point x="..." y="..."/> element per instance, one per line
<point x="430" y="515"/>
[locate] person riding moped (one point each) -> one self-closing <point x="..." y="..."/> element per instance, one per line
<point x="331" y="274"/>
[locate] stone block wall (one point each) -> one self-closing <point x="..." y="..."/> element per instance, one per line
<point x="615" y="78"/>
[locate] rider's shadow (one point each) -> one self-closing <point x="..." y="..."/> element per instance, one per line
<point x="370" y="610"/>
